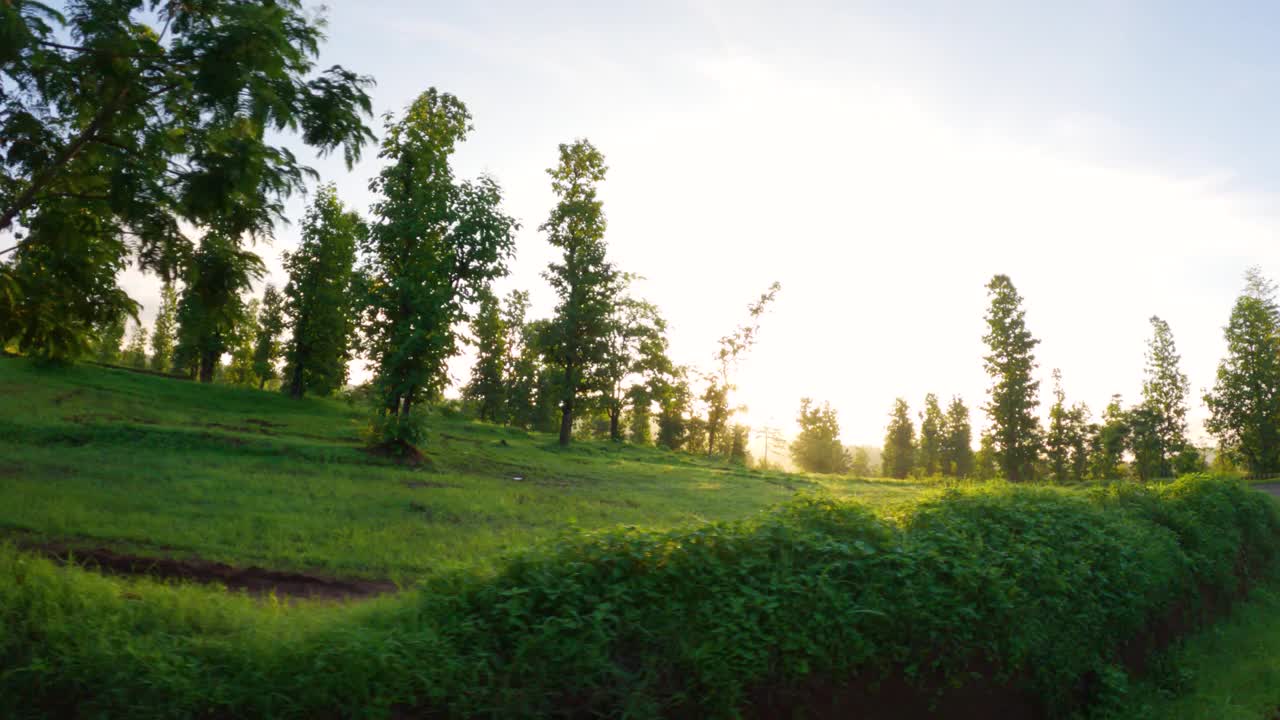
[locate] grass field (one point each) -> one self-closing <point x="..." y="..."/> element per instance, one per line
<point x="157" y="466"/>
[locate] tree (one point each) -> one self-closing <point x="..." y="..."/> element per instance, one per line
<point x="164" y="333"/>
<point x="956" y="446"/>
<point x="321" y="297"/>
<point x="211" y="307"/>
<point x="488" y="387"/>
<point x="985" y="461"/>
<point x="1164" y="397"/>
<point x="640" y="414"/>
<point x="1015" y="429"/>
<point x="266" y="347"/>
<point x="929" y="457"/>
<point x="635" y="353"/>
<point x="732" y="347"/>
<point x="242" y="344"/>
<point x="1244" y="405"/>
<point x="817" y="447"/>
<point x="135" y="355"/>
<point x="772" y="440"/>
<point x="434" y="245"/>
<point x="674" y="398"/>
<point x="861" y="463"/>
<point x="109" y="335"/>
<point x="585" y="282"/>
<point x="1067" y="442"/>
<point x="898" y="458"/>
<point x="1109" y="441"/>
<point x="524" y="363"/>
<point x="128" y="117"/>
<point x="57" y="291"/>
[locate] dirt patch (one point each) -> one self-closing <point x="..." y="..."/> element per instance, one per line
<point x="412" y="485"/>
<point x="400" y="452"/>
<point x="254" y="580"/>
<point x="68" y="395"/>
<point x="263" y="423"/>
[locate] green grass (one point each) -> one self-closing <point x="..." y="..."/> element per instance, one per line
<point x="160" y="466"/>
<point x="1228" y="671"/>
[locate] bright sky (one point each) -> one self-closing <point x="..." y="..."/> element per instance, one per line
<point x="881" y="160"/>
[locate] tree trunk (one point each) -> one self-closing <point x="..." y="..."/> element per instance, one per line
<point x="208" y="360"/>
<point x="615" y="434"/>
<point x="295" y="383"/>
<point x="566" y="407"/>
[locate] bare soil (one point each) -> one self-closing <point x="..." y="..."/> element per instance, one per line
<point x="253" y="580"/>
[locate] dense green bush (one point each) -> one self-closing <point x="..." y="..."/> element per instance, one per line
<point x="1033" y="589"/>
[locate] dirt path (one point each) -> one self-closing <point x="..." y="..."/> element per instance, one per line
<point x="253" y="580"/>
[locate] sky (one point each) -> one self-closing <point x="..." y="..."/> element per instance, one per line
<point x="881" y="160"/>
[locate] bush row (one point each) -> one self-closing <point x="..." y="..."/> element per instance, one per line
<point x="1014" y="593"/>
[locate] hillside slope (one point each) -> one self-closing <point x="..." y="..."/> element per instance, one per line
<point x="93" y="457"/>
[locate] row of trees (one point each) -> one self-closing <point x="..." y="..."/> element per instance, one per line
<point x="1146" y="440"/>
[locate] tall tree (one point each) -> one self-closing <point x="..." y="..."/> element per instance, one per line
<point x="128" y="117"/>
<point x="957" y="439"/>
<point x="732" y="347"/>
<point x="487" y="387"/>
<point x="860" y="466"/>
<point x="266" y="344"/>
<point x="640" y="414"/>
<point x="211" y="308"/>
<point x="135" y="354"/>
<point x="585" y="282"/>
<point x="243" y="341"/>
<point x="817" y="447"/>
<point x="1164" y="394"/>
<point x="1109" y="441"/>
<point x="1067" y="441"/>
<point x="635" y="354"/>
<point x="1244" y="405"/>
<point x="164" y="333"/>
<point x="434" y="245"/>
<point x="898" y="458"/>
<point x="109" y="335"/>
<point x="1015" y="429"/>
<point x="929" y="458"/>
<point x="674" y="398"/>
<point x="524" y="362"/>
<point x="322" y="296"/>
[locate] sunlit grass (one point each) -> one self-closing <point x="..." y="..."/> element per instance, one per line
<point x="153" y="465"/>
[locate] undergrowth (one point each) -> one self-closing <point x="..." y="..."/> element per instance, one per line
<point x="1029" y="589"/>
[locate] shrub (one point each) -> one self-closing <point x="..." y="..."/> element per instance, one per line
<point x="1020" y="589"/>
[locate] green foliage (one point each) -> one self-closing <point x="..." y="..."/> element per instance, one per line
<point x="585" y="282"/>
<point x="1109" y="441"/>
<point x="957" y="441"/>
<point x="898" y="456"/>
<point x="1164" y="396"/>
<point x="108" y="337"/>
<point x="1004" y="586"/>
<point x="269" y="321"/>
<point x="61" y="283"/>
<point x="165" y="331"/>
<point x="1244" y="405"/>
<point x="635" y="355"/>
<point x="1066" y="444"/>
<point x="929" y="457"/>
<point x="212" y="309"/>
<point x="124" y="118"/>
<point x="321" y="299"/>
<point x="135" y="353"/>
<point x="1015" y="429"/>
<point x="817" y="447"/>
<point x="488" y="385"/>
<point x="435" y="243"/>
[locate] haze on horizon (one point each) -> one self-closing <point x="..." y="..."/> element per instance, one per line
<point x="882" y="163"/>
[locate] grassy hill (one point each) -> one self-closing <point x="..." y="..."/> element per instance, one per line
<point x="148" y="465"/>
<point x="703" y="590"/>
